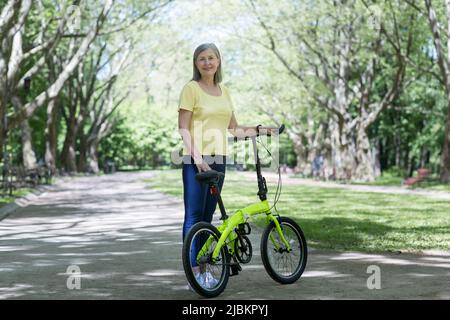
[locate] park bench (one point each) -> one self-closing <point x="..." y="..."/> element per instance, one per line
<point x="19" y="177"/>
<point x="423" y="175"/>
<point x="7" y="183"/>
<point x="13" y="179"/>
<point x="22" y="177"/>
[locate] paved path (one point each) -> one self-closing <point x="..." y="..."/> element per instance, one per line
<point x="126" y="241"/>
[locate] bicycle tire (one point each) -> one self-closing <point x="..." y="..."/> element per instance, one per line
<point x="301" y="249"/>
<point x="186" y="257"/>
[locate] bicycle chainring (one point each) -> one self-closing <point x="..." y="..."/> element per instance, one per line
<point x="243" y="249"/>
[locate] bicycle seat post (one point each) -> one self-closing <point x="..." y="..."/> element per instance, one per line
<point x="212" y="178"/>
<point x="224" y="215"/>
<point x="214" y="189"/>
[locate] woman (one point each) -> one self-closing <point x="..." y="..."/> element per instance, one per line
<point x="205" y="112"/>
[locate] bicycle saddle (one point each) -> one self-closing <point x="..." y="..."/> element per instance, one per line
<point x="210" y="176"/>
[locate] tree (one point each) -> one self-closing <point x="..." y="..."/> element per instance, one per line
<point x="340" y="56"/>
<point x="67" y="32"/>
<point x="15" y="56"/>
<point x="440" y="38"/>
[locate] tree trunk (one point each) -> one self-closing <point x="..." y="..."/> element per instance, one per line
<point x="327" y="170"/>
<point x="376" y="162"/>
<point x="68" y="156"/>
<point x="346" y="165"/>
<point x="2" y="131"/>
<point x="28" y="155"/>
<point x="315" y="143"/>
<point x="445" y="159"/>
<point x="82" y="158"/>
<point x="51" y="136"/>
<point x="398" y="153"/>
<point x="443" y="59"/>
<point x="411" y="166"/>
<point x="92" y="158"/>
<point x="407" y="163"/>
<point x="363" y="171"/>
<point x="345" y="152"/>
<point x="299" y="150"/>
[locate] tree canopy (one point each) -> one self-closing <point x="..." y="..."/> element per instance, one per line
<point x="361" y="83"/>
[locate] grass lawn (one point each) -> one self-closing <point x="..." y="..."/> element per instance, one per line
<point x="5" y="199"/>
<point x="434" y="186"/>
<point x="340" y="219"/>
<point x="430" y="185"/>
<point x="387" y="180"/>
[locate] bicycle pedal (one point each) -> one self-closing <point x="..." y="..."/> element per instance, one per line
<point x="235" y="269"/>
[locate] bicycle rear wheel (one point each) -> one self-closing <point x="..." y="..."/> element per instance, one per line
<point x="282" y="265"/>
<point x="207" y="276"/>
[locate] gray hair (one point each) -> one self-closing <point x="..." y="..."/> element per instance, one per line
<point x="218" y="75"/>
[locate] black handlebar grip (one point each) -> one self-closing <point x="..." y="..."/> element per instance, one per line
<point x="280" y="131"/>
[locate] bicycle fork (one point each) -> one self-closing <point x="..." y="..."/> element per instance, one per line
<point x="280" y="232"/>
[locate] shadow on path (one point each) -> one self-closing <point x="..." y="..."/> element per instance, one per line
<point x="126" y="241"/>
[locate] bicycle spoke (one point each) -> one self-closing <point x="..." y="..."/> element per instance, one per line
<point x="208" y="272"/>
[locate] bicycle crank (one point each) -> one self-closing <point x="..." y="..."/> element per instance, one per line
<point x="243" y="249"/>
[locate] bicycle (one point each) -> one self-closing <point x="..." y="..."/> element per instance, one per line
<point x="215" y="250"/>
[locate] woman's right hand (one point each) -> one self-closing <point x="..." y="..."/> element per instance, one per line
<point x="203" y="166"/>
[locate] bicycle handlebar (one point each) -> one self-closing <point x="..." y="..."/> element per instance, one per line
<point x="269" y="129"/>
<point x="260" y="130"/>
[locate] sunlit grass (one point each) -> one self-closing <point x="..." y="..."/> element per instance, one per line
<point x="434" y="186"/>
<point x="383" y="180"/>
<point x="390" y="180"/>
<point x="5" y="198"/>
<point x="342" y="219"/>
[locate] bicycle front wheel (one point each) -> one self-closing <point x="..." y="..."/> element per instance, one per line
<point x="208" y="276"/>
<point x="282" y="265"/>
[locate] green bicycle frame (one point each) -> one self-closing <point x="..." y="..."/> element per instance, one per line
<point x="230" y="223"/>
<point x="227" y="227"/>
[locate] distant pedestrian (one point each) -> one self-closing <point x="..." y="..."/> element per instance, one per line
<point x="317" y="165"/>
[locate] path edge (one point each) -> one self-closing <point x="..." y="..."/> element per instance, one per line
<point x="10" y="208"/>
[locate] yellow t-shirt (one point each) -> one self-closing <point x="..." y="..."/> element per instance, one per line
<point x="210" y="119"/>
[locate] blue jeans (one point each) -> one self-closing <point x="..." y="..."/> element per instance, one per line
<point x="199" y="203"/>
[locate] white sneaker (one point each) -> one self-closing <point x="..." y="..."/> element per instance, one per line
<point x="200" y="278"/>
<point x="210" y="281"/>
